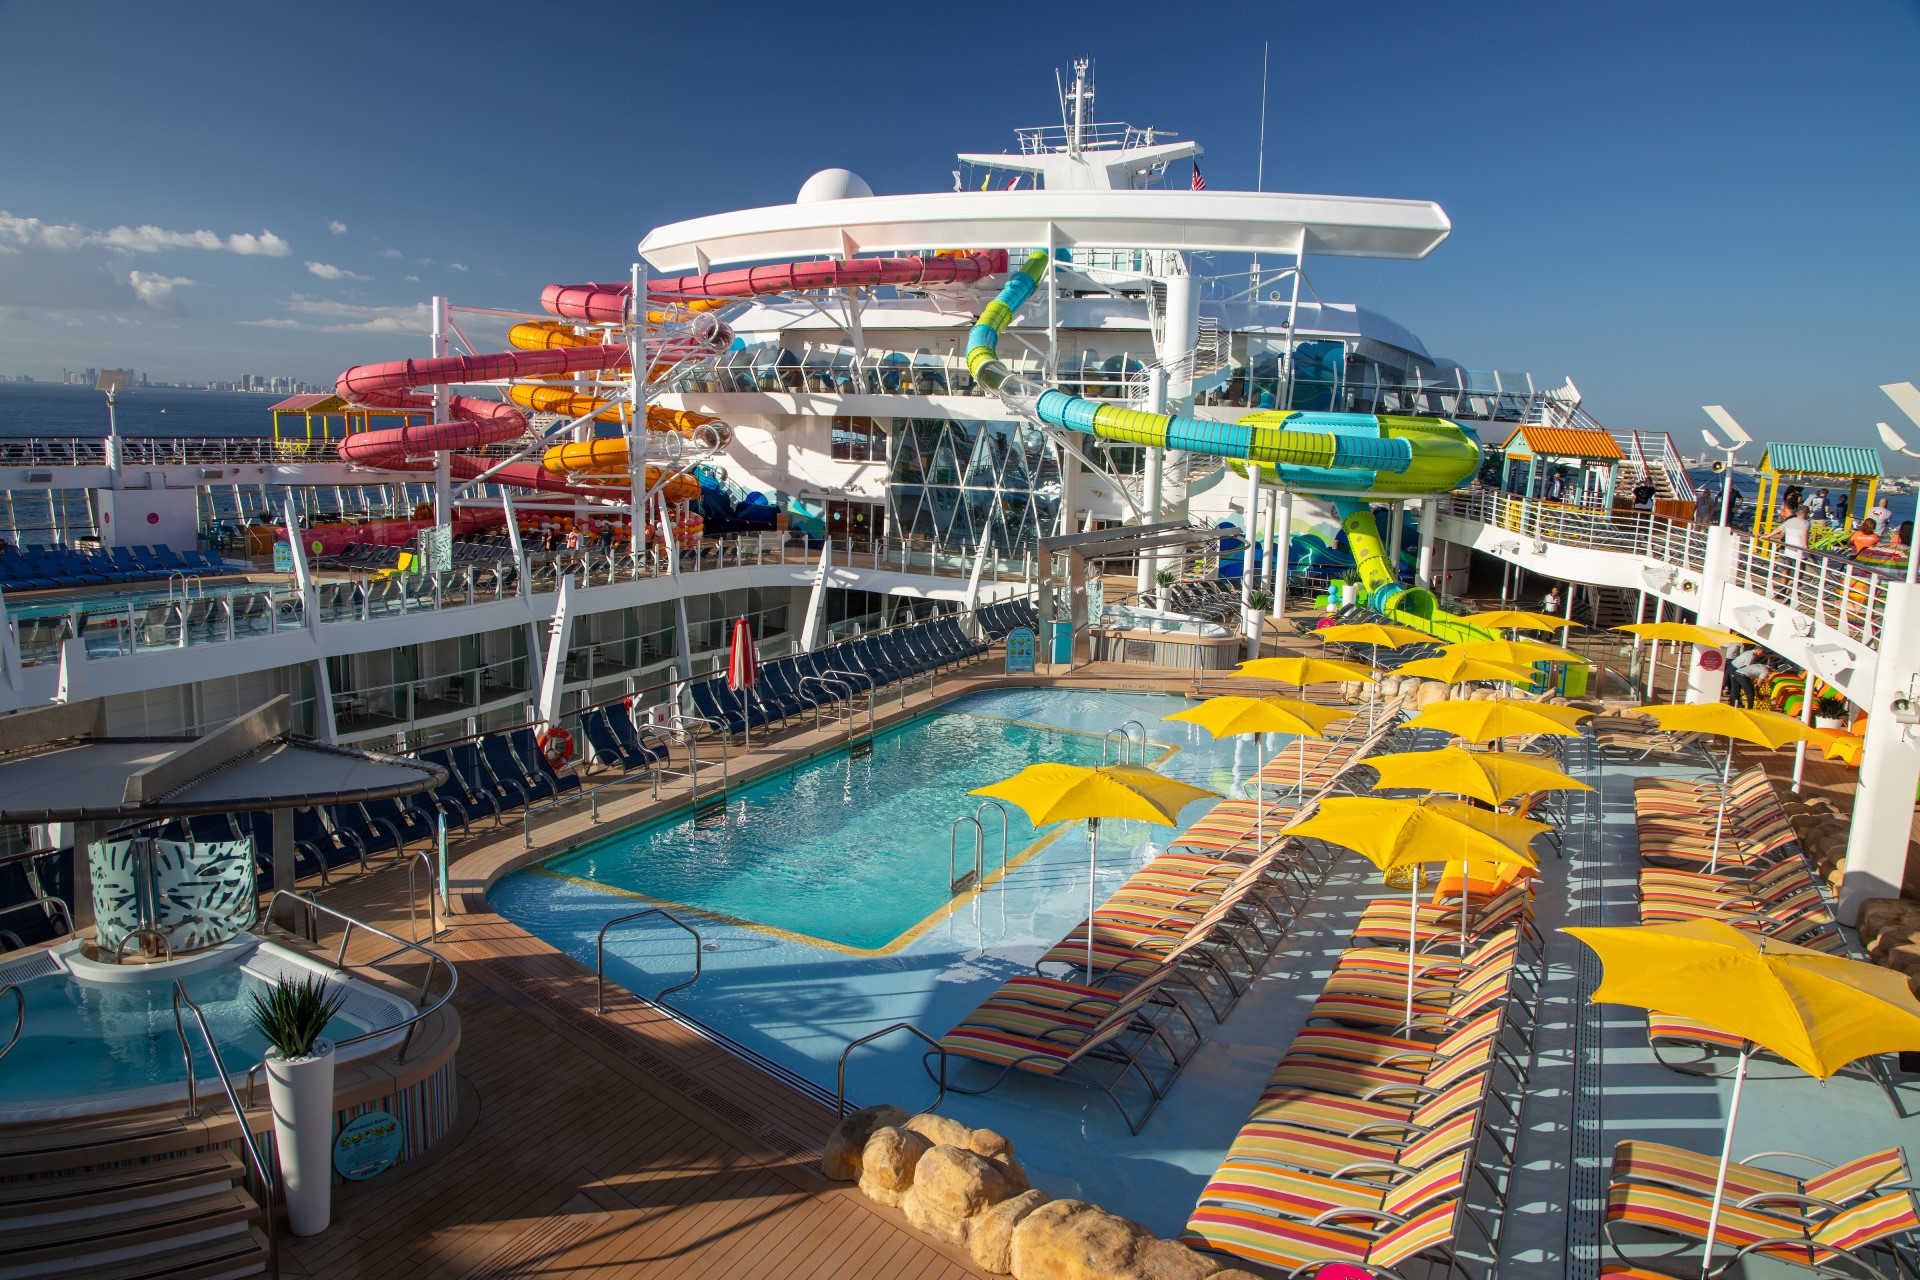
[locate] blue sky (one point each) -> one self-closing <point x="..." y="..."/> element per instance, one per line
<point x="1675" y="204"/>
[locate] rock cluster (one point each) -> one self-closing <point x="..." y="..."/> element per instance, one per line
<point x="964" y="1186"/>
<point x="1890" y="931"/>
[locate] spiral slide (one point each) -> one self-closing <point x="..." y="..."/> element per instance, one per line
<point x="552" y="351"/>
<point x="1312" y="452"/>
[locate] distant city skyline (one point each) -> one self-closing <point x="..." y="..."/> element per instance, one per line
<point x="1672" y="205"/>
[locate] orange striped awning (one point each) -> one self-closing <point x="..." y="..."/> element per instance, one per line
<point x="1562" y="442"/>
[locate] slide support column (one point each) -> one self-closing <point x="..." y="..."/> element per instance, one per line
<point x="1889" y="764"/>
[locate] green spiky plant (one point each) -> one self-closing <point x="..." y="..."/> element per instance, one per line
<point x="1166" y="577"/>
<point x="1260" y="601"/>
<point x="291" y="1015"/>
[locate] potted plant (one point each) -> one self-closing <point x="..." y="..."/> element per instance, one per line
<point x="1830" y="713"/>
<point x="291" y="1016"/>
<point x="1164" y="579"/>
<point x="1350" y="588"/>
<point x="1255" y="619"/>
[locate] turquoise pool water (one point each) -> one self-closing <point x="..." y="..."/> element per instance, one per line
<point x="87" y="1038"/>
<point x="848" y="850"/>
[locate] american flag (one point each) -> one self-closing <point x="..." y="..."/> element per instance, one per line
<point x="1199" y="182"/>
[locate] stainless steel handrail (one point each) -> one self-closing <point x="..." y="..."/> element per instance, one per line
<point x="43" y="902"/>
<point x="268" y="1183"/>
<point x="840" y="1071"/>
<point x="600" y="956"/>
<point x="994" y="805"/>
<point x="120" y="951"/>
<point x="850" y="677"/>
<point x="720" y="731"/>
<point x="19" y="1017"/>
<point x="955" y="884"/>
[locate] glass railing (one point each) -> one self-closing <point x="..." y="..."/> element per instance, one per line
<point x="429" y="696"/>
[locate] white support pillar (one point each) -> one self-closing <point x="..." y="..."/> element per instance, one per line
<point x="325" y="727"/>
<point x="972" y="601"/>
<point x="559" y="637"/>
<point x="1253" y="534"/>
<point x="1396" y="533"/>
<point x="1429" y="522"/>
<point x="1154" y="486"/>
<point x="1283" y="551"/>
<point x="442" y="410"/>
<point x="1716" y="569"/>
<point x="1889" y="764"/>
<point x="637" y="419"/>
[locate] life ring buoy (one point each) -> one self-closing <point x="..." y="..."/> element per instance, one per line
<point x="557" y="745"/>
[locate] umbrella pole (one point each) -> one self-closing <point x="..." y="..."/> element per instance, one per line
<point x="1413" y="937"/>
<point x="1720" y="817"/>
<point x="1093" y="865"/>
<point x="1466" y="878"/>
<point x="1726" y="1158"/>
<point x="1259" y="801"/>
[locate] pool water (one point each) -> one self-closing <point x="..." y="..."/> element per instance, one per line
<point x="83" y="1039"/>
<point x="853" y="851"/>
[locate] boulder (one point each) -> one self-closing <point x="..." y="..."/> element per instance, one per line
<point x="940" y="1130"/>
<point x="887" y="1163"/>
<point x="1431" y="691"/>
<point x="1169" y="1260"/>
<point x="990" y="1235"/>
<point x="994" y="1147"/>
<point x="950" y="1185"/>
<point x="841" y="1160"/>
<point x="1073" y="1240"/>
<point x="1887" y="925"/>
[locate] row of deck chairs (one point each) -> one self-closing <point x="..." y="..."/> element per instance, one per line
<point x="1215" y="599"/>
<point x="1859" y="1215"/>
<point x="1363" y="1143"/>
<point x="996" y="620"/>
<point x="324" y="837"/>
<point x="496" y="775"/>
<point x="40" y="568"/>
<point x="1112" y="1004"/>
<point x="788" y="688"/>
<point x="370" y="557"/>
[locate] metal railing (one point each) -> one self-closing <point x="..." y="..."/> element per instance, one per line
<point x="19" y="1016"/>
<point x="142" y="931"/>
<point x="47" y="904"/>
<point x="600" y="956"/>
<point x="1637" y="533"/>
<point x="267" y="1181"/>
<point x="1842" y="594"/>
<point x="840" y="1070"/>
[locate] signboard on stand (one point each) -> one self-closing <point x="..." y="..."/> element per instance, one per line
<point x="1020" y="651"/>
<point x="282" y="557"/>
<point x="368" y="1145"/>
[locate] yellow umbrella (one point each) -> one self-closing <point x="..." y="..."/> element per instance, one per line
<point x="1302" y="672"/>
<point x="1817" y="1011"/>
<point x="1402" y="834"/>
<point x="1476" y="774"/>
<point x="1455" y="669"/>
<point x="1683" y="632"/>
<point x="1049" y="793"/>
<point x="1485" y="721"/>
<point x="1375" y="634"/>
<point x="1515" y="620"/>
<point x="1519" y="652"/>
<point x="1767" y="729"/>
<point x="1231" y="716"/>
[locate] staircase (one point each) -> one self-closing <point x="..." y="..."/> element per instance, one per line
<point x="1648" y="453"/>
<point x="140" y="1200"/>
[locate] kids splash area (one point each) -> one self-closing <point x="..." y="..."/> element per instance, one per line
<point x="990" y="731"/>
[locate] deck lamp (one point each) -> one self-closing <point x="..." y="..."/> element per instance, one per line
<point x="112" y="381"/>
<point x="1737" y="439"/>
<point x="1906" y="397"/>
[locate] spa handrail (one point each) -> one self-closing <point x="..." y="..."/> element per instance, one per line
<point x="268" y="1183"/>
<point x="19" y="1016"/>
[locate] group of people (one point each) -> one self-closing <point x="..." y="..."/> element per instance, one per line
<point x="1875" y="531"/>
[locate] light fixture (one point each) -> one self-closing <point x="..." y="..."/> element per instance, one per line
<point x="1906" y="398"/>
<point x="1903" y="711"/>
<point x="1737" y="439"/>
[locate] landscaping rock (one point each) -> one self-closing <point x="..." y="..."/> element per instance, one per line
<point x="951" y="1185"/>
<point x="990" y="1235"/>
<point x="994" y="1147"/>
<point x="1073" y="1240"/>
<point x="1886" y="924"/>
<point x="939" y="1130"/>
<point x="841" y="1160"/>
<point x="887" y="1163"/>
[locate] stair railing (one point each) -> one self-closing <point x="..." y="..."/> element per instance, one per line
<point x="269" y="1185"/>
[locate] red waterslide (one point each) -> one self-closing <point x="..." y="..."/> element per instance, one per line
<point x="476" y="423"/>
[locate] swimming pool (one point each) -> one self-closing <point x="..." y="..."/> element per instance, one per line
<point x="848" y="851"/>
<point x="99" y="1040"/>
<point x="794" y="999"/>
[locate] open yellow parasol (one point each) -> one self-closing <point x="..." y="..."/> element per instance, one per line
<point x="1231" y="716"/>
<point x="1518" y="652"/>
<point x="1762" y="728"/>
<point x="1499" y="718"/>
<point x="1515" y="620"/>
<point x="1683" y="633"/>
<point x="1478" y="775"/>
<point x="1455" y="669"/>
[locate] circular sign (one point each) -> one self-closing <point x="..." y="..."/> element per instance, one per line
<point x="1712" y="659"/>
<point x="367" y="1146"/>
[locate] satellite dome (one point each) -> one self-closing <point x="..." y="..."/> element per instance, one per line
<point x="833" y="184"/>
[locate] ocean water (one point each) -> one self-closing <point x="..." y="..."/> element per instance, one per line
<point x="59" y="412"/>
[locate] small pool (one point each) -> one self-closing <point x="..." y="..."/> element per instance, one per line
<point x="849" y="851"/>
<point x="92" y="1045"/>
<point x="138" y="596"/>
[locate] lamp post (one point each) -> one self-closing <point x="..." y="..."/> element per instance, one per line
<point x="1737" y="439"/>
<point x="1906" y="397"/>
<point x="112" y="381"/>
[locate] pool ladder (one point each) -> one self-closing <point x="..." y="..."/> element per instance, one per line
<point x="959" y="882"/>
<point x="600" y="956"/>
<point x="1125" y="734"/>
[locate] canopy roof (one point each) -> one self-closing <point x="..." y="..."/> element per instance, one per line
<point x="1836" y="461"/>
<point x="1561" y="442"/>
<point x="60" y="766"/>
<point x="313" y="402"/>
<point x="1225" y="221"/>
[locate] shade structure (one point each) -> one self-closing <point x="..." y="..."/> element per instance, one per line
<point x="1485" y="721"/>
<point x="1049" y="793"/>
<point x="1519" y="652"/>
<point x="1817" y="1011"/>
<point x="1753" y="725"/>
<point x="1380" y="634"/>
<point x="1402" y="834"/>
<point x="1515" y="620"/>
<point x="1491" y="778"/>
<point x="1683" y="632"/>
<point x="1302" y="672"/>
<point x="1231" y="716"/>
<point x="1454" y="669"/>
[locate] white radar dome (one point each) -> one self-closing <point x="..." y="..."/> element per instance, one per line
<point x="833" y="184"/>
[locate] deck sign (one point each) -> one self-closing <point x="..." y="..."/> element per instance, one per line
<point x="1020" y="650"/>
<point x="367" y="1146"/>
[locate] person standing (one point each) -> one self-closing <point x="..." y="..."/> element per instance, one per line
<point x="1552" y="602"/>
<point x="1816" y="508"/>
<point x="1880" y="514"/>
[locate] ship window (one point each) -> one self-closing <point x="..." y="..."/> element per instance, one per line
<point x="859" y="440"/>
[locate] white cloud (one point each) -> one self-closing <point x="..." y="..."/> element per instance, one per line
<point x="323" y="315"/>
<point x="156" y="290"/>
<point x="277" y="322"/>
<point x="458" y="266"/>
<point x="336" y="226"/>
<point x="327" y="271"/>
<point x="411" y="279"/>
<point x="32" y="233"/>
<point x="395" y="254"/>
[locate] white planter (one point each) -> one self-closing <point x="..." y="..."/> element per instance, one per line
<point x="1254" y="628"/>
<point x="1349" y="593"/>
<point x="302" y="1093"/>
<point x="1829" y="722"/>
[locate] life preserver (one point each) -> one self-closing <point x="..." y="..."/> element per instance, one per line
<point x="557" y="745"/>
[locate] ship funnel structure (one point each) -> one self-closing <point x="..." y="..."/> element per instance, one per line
<point x="1317" y="452"/>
